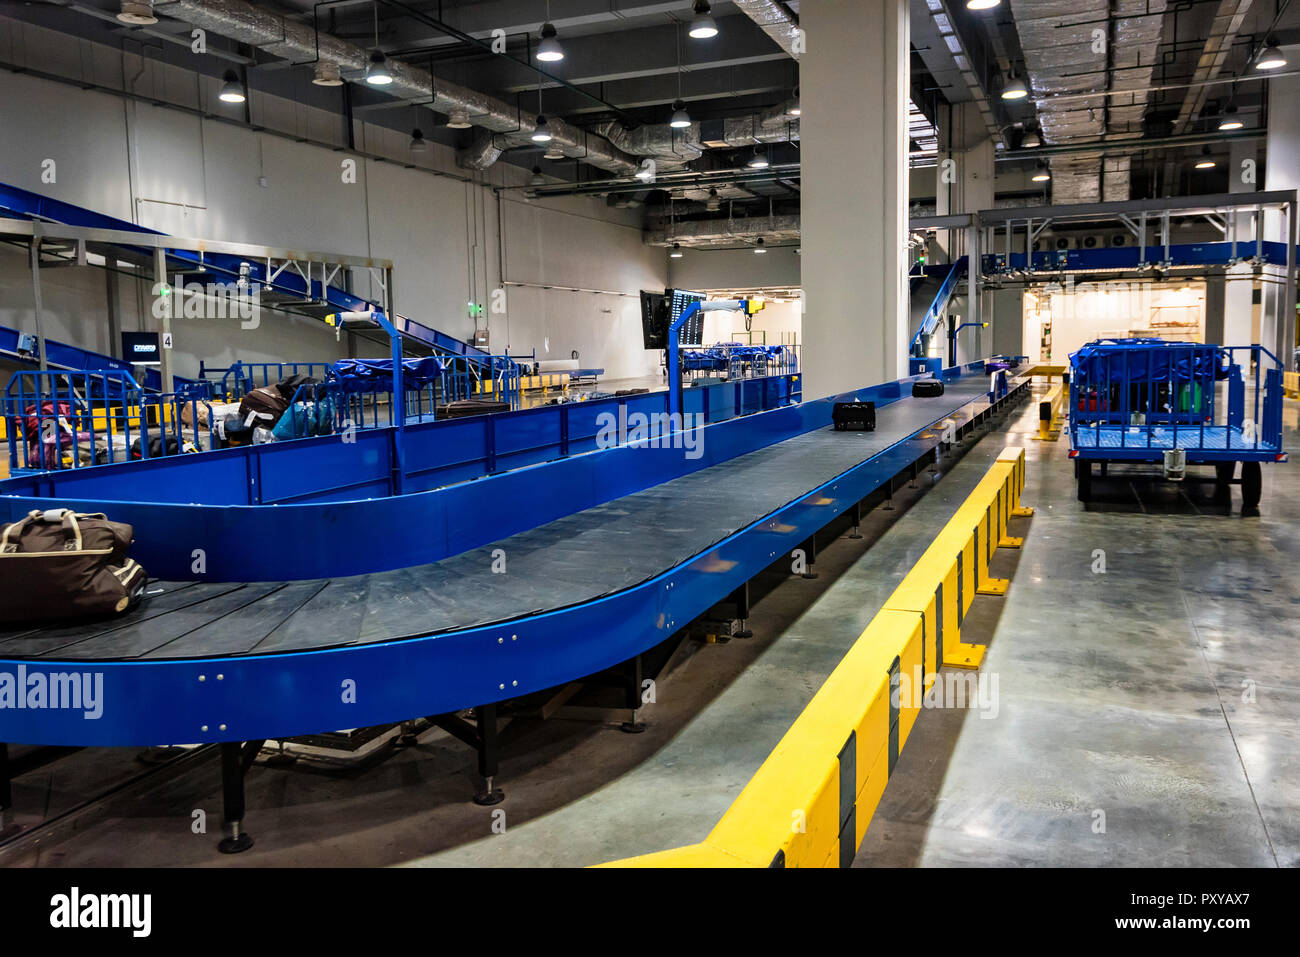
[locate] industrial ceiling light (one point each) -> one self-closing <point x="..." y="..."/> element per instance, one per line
<point x="1206" y="161"/>
<point x="1015" y="88"/>
<point x="702" y="25"/>
<point x="137" y="12"/>
<point x="458" y="120"/>
<point x="759" y="247"/>
<point x="418" y="143"/>
<point x="377" y="72"/>
<point x="1031" y="141"/>
<point x="549" y="49"/>
<point x="758" y="160"/>
<point x="542" y="133"/>
<point x="681" y="119"/>
<point x="794" y="109"/>
<point x="1230" y="121"/>
<point x="537" y="179"/>
<point x="231" y="91"/>
<point x="1270" y="58"/>
<point x="553" y="152"/>
<point x="677" y="251"/>
<point x="982" y="4"/>
<point x="1041" y="173"/>
<point x="714" y="202"/>
<point x="326" y="74"/>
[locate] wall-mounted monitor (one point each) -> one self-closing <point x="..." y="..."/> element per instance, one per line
<point x="141" y="348"/>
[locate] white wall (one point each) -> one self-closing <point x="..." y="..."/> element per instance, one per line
<point x="707" y="269"/>
<point x="179" y="173"/>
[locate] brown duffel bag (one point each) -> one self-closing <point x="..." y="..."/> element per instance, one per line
<point x="262" y="407"/>
<point x="59" y="564"/>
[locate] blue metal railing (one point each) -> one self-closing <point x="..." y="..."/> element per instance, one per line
<point x="61" y="419"/>
<point x="1135" y="396"/>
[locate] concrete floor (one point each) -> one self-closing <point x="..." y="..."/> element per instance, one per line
<point x="1119" y="692"/>
<point x="1161" y="698"/>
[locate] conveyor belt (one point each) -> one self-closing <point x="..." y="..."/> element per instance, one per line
<point x="575" y="559"/>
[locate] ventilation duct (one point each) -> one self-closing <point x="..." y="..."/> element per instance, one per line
<point x="1062" y="58"/>
<point x="297" y="42"/>
<point x="670" y="147"/>
<point x="772" y="20"/>
<point x="717" y="232"/>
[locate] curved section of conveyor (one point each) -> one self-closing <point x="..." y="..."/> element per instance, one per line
<point x="219" y="662"/>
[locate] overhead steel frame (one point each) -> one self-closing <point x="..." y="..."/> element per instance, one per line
<point x="272" y="261"/>
<point x="1149" y="222"/>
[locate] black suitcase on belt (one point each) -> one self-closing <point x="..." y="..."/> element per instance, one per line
<point x="854" y="416"/>
<point x="927" y="388"/>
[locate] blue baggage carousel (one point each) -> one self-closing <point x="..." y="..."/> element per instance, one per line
<point x="203" y="661"/>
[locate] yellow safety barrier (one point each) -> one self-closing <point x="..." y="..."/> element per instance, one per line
<point x="1291" y="384"/>
<point x="1049" y="414"/>
<point x="1047" y="370"/>
<point x="810" y="802"/>
<point x="544" y="381"/>
<point x="120" y="419"/>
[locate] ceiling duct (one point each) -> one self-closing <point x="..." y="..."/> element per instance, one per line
<point x="297" y="42"/>
<point x="673" y="147"/>
<point x="1062" y="57"/>
<point x="1214" y="56"/>
<point x="720" y="232"/>
<point x="773" y="20"/>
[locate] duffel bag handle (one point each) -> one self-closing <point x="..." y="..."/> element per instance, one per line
<point x="16" y="528"/>
<point x="65" y="516"/>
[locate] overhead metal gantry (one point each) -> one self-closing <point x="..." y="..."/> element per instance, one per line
<point x="1001" y="241"/>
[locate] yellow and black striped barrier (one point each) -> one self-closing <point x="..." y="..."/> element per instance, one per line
<point x="810" y="802"/>
<point x="1049" y="414"/>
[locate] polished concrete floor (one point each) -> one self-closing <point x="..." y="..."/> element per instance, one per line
<point x="1163" y="693"/>
<point x="1149" y="715"/>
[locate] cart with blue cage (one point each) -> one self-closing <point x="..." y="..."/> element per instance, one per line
<point x="1176" y="404"/>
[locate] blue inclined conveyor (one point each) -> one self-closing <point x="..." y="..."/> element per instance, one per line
<point x="591" y="582"/>
<point x="24" y="204"/>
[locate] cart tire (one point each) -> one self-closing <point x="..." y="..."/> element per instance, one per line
<point x="1252" y="485"/>
<point x="1084" y="471"/>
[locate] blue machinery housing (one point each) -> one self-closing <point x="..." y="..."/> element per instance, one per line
<point x="340" y="518"/>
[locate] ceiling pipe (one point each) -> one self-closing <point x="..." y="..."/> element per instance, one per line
<point x="302" y="43"/>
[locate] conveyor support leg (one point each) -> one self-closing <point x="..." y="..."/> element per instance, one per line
<point x="740" y="597"/>
<point x="856" y="533"/>
<point x="489" y="750"/>
<point x="632" y="677"/>
<point x="236" y="759"/>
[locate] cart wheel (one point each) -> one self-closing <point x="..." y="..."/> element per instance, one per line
<point x="1252" y="485"/>
<point x="1084" y="471"/>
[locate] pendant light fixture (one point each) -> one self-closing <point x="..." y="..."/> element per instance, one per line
<point x="680" y="119"/>
<point x="418" y="143"/>
<point x="1015" y="88"/>
<point x="702" y="25"/>
<point x="548" y="48"/>
<point x="1270" y="57"/>
<point x="377" y="72"/>
<point x="231" y="90"/>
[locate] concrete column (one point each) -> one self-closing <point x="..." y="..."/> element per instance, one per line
<point x="1238" y="307"/>
<point x="1277" y="324"/>
<point x="964" y="176"/>
<point x="854" y="76"/>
